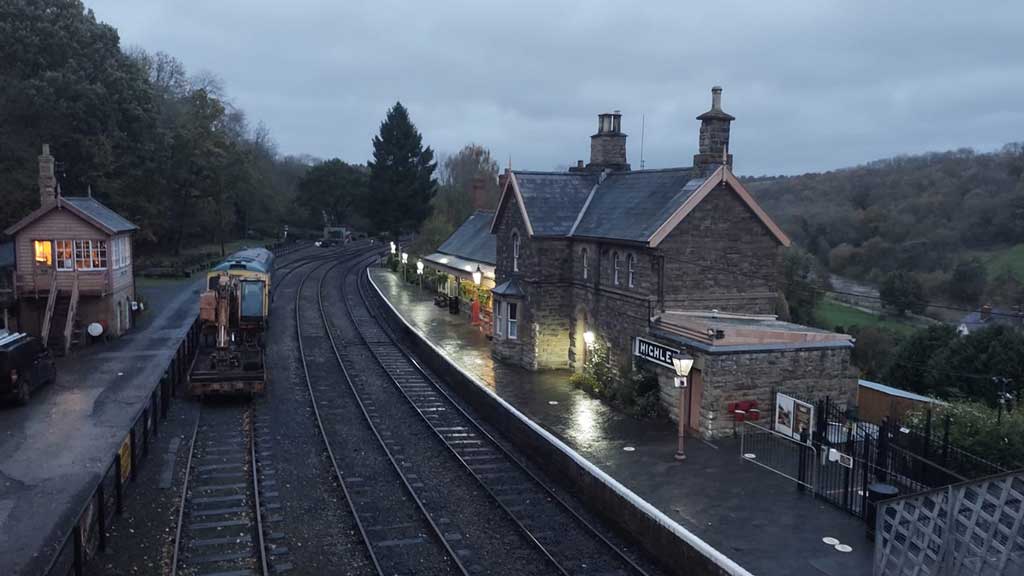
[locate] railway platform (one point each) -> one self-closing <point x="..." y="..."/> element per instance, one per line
<point x="53" y="451"/>
<point x="755" y="517"/>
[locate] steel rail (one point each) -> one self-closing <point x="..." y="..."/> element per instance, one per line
<point x="453" y="555"/>
<point x="184" y="495"/>
<point x="304" y="260"/>
<point x="479" y="429"/>
<point x="323" y="431"/>
<point x="256" y="492"/>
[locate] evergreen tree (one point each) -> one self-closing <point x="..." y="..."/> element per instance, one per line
<point x="402" y="181"/>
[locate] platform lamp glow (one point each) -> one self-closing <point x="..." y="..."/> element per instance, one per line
<point x="405" y="260"/>
<point x="394" y="248"/>
<point x="683" y="366"/>
<point x="478" y="277"/>
<point x="419" y="271"/>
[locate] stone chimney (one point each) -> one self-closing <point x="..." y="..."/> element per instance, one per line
<point x="502" y="179"/>
<point x="714" y="135"/>
<point x="476" y="194"/>
<point x="608" y="146"/>
<point x="47" y="179"/>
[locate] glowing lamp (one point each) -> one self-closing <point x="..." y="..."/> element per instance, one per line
<point x="405" y="258"/>
<point x="478" y="276"/>
<point x="588" y="339"/>
<point x="393" y="247"/>
<point x="419" y="266"/>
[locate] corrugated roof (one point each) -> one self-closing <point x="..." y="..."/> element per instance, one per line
<point x="473" y="239"/>
<point x="554" y="199"/>
<point x="897" y="392"/>
<point x="633" y="205"/>
<point x="102" y="215"/>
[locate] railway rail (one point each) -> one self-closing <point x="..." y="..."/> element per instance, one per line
<point x="220" y="519"/>
<point x="486" y="507"/>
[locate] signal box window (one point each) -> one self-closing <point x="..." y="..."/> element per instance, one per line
<point x="43" y="252"/>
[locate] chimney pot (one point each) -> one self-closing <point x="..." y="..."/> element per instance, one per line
<point x="579" y="163"/>
<point x="716" y="98"/>
<point x="608" y="146"/>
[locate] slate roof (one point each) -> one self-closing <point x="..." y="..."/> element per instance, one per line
<point x="633" y="205"/>
<point x="509" y="288"/>
<point x="473" y="240"/>
<point x="104" y="216"/>
<point x="554" y="199"/>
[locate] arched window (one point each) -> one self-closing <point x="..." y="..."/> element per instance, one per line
<point x="585" y="257"/>
<point x="631" y="269"/>
<point x="515" y="251"/>
<point x="616" y="267"/>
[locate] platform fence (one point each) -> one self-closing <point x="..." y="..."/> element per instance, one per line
<point x="87" y="536"/>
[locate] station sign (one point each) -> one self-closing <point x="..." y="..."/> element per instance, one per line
<point x="654" y="352"/>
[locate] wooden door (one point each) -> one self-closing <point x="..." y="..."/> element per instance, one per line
<point x="695" y="399"/>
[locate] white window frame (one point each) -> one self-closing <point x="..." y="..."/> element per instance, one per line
<point x="121" y="252"/>
<point x="57" y="262"/>
<point x="630" y="270"/>
<point x="585" y="256"/>
<point x="513" y="323"/>
<point x="515" y="251"/>
<point x="616" y="265"/>
<point x="498" y="322"/>
<point x="88" y="249"/>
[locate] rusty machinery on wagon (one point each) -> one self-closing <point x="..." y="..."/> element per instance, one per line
<point x="233" y="312"/>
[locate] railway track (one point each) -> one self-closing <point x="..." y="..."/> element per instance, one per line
<point x="570" y="543"/>
<point x="220" y="521"/>
<point x="284" y="270"/>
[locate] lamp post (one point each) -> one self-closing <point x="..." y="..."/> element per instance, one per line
<point x="478" y="277"/>
<point x="405" y="260"/>
<point x="682" y="366"/>
<point x="419" y="272"/>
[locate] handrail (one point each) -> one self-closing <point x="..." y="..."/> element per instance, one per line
<point x="69" y="322"/>
<point x="51" y="301"/>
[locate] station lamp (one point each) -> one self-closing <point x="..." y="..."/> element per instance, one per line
<point x="419" y="267"/>
<point x="588" y="339"/>
<point x="683" y="365"/>
<point x="393" y="247"/>
<point x="405" y="258"/>
<point x="478" y="276"/>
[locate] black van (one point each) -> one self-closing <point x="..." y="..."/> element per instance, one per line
<point x="24" y="364"/>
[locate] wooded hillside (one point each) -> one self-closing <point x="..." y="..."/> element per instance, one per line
<point x="953" y="219"/>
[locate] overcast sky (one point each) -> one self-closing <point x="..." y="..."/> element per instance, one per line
<point x="814" y="85"/>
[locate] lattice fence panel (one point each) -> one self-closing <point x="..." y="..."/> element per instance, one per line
<point x="969" y="529"/>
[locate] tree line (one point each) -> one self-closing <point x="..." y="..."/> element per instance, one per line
<point x="171" y="152"/>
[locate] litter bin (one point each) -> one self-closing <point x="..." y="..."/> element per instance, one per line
<point x="876" y="493"/>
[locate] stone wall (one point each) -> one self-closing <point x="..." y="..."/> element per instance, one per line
<point x="809" y="373"/>
<point x="608" y="150"/>
<point x="721" y="256"/>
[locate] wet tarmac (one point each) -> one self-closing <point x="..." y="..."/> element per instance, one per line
<point x="750" y="514"/>
<point x="54" y="450"/>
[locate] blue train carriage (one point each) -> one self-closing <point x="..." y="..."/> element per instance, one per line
<point x="233" y="312"/>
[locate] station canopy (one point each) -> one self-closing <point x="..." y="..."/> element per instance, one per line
<point x="471" y="246"/>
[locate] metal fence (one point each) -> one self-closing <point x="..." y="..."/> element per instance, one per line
<point x="88" y="534"/>
<point x="973" y="528"/>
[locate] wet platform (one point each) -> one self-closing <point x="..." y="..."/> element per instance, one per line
<point x="53" y="451"/>
<point x="753" y="516"/>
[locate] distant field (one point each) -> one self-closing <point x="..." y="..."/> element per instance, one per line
<point x="1011" y="259"/>
<point x="830" y="314"/>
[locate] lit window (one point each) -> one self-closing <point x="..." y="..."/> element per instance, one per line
<point x="616" y="265"/>
<point x="65" y="255"/>
<point x="515" y="252"/>
<point x="631" y="269"/>
<point x="585" y="256"/>
<point x="90" y="254"/>
<point x="43" y="251"/>
<point x="513" y="320"/>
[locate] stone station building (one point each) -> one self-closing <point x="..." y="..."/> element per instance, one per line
<point x="683" y="258"/>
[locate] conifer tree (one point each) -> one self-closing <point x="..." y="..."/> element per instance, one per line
<point x="402" y="180"/>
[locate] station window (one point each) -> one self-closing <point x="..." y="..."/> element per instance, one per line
<point x="65" y="255"/>
<point x="513" y="321"/>
<point x="616" y="268"/>
<point x="498" y="305"/>
<point x="515" y="252"/>
<point x="631" y="270"/>
<point x="43" y="252"/>
<point x="585" y="257"/>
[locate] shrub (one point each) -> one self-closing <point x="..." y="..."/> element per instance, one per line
<point x="635" y="392"/>
<point x="979" y="430"/>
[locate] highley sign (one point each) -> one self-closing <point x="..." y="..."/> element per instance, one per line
<point x="654" y="352"/>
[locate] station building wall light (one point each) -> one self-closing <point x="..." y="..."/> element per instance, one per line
<point x="588" y="339"/>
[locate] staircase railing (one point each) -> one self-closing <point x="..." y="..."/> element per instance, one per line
<point x="51" y="301"/>
<point x="69" y="322"/>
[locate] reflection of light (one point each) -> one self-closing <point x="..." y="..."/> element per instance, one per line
<point x="468" y="268"/>
<point x="583" y="422"/>
<point x="444" y="260"/>
<point x="588" y="338"/>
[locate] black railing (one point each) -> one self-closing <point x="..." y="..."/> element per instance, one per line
<point x="88" y="534"/>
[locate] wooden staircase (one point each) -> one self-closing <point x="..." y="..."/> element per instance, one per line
<point x="60" y="326"/>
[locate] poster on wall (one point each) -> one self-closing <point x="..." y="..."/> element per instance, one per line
<point x="792" y="416"/>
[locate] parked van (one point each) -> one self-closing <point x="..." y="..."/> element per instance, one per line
<point x="25" y="364"/>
